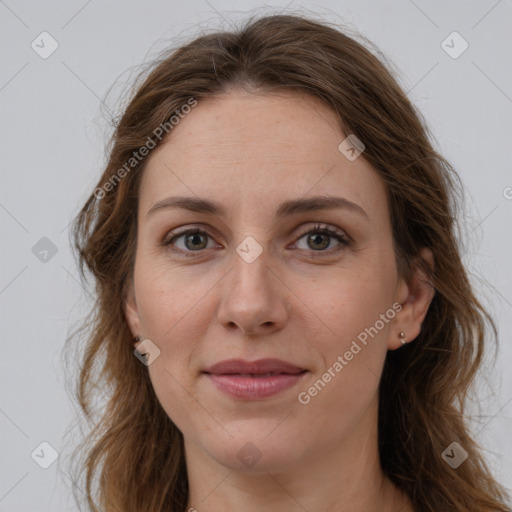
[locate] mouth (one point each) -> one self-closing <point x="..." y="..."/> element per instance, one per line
<point x="259" y="367"/>
<point x="254" y="380"/>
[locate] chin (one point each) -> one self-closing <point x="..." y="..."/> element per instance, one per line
<point x="265" y="447"/>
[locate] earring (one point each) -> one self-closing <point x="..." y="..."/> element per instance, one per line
<point x="402" y="338"/>
<point x="136" y="339"/>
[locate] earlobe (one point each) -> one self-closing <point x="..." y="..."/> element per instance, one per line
<point x="416" y="298"/>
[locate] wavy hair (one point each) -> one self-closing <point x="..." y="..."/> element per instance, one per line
<point x="133" y="458"/>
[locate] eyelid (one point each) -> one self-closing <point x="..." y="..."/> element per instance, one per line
<point x="321" y="226"/>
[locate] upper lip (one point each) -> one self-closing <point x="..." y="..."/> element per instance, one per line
<point x="235" y="366"/>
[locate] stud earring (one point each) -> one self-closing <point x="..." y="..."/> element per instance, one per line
<point x="402" y="338"/>
<point x="136" y="339"/>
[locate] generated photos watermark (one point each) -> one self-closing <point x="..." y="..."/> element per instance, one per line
<point x="304" y="397"/>
<point x="137" y="156"/>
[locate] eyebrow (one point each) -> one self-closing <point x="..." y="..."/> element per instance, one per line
<point x="288" y="208"/>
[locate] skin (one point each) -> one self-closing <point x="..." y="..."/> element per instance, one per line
<point x="250" y="153"/>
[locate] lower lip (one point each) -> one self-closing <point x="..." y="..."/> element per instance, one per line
<point x="254" y="388"/>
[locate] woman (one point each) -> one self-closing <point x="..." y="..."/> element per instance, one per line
<point x="283" y="319"/>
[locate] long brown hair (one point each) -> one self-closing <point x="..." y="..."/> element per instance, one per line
<point x="134" y="458"/>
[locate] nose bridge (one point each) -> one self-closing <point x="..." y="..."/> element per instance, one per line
<point x="252" y="297"/>
<point x="250" y="275"/>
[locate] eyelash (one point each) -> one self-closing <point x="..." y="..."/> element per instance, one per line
<point x="319" y="229"/>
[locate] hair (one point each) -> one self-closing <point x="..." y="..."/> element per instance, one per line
<point x="134" y="457"/>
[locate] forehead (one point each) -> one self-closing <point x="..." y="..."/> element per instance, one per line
<point x="256" y="150"/>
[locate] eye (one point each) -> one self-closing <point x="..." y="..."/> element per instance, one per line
<point x="194" y="240"/>
<point x="319" y="238"/>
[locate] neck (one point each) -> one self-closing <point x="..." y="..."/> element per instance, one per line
<point x="346" y="476"/>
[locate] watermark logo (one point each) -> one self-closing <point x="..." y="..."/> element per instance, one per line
<point x="454" y="455"/>
<point x="249" y="249"/>
<point x="146" y="352"/>
<point x="249" y="455"/>
<point x="351" y="147"/>
<point x="44" y="250"/>
<point x="44" y="455"/>
<point x="44" y="45"/>
<point x="454" y="45"/>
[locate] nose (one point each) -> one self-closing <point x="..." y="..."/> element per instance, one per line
<point x="254" y="297"/>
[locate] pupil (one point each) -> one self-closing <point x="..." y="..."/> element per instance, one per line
<point x="315" y="238"/>
<point x="193" y="238"/>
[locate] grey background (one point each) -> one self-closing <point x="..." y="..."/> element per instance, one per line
<point x="52" y="151"/>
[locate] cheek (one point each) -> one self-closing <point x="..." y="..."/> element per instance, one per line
<point x="171" y="302"/>
<point x="358" y="313"/>
<point x="352" y="302"/>
<point x="174" y="314"/>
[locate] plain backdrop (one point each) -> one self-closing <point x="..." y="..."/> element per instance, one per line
<point x="54" y="126"/>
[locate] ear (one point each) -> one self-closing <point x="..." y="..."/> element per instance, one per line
<point x="131" y="312"/>
<point x="415" y="298"/>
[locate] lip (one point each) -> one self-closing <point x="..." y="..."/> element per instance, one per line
<point x="253" y="380"/>
<point x="261" y="366"/>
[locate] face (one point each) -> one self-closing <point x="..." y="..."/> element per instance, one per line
<point x="261" y="274"/>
